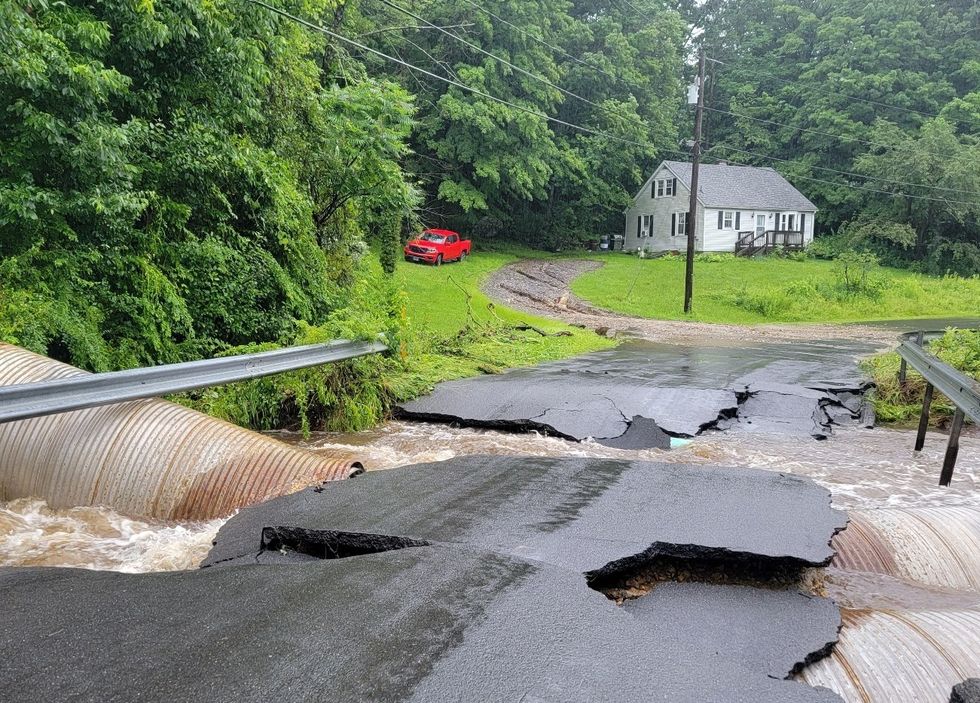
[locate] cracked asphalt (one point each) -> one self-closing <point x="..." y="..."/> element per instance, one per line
<point x="790" y="388"/>
<point x="482" y="595"/>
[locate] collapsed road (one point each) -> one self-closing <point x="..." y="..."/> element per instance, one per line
<point x="483" y="578"/>
<point x="639" y="395"/>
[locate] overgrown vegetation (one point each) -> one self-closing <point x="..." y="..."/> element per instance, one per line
<point x="902" y="404"/>
<point x="871" y="109"/>
<point x="776" y="289"/>
<point x="188" y="179"/>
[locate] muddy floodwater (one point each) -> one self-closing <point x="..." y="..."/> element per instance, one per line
<point x="865" y="469"/>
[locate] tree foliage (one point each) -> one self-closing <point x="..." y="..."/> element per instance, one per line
<point x="887" y="93"/>
<point x="183" y="177"/>
<point x="506" y="170"/>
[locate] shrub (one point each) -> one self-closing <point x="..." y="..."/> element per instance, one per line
<point x="903" y="404"/>
<point x="769" y="302"/>
<point x="858" y="273"/>
<point x="710" y="257"/>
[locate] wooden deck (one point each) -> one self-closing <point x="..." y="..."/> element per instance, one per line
<point x="752" y="243"/>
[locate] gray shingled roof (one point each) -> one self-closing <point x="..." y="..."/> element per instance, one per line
<point x="742" y="187"/>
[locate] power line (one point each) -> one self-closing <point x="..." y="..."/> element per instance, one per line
<point x="759" y="72"/>
<point x="535" y="113"/>
<point x="849" y="173"/>
<point x="801" y="129"/>
<point x="841" y="137"/>
<point x="525" y="33"/>
<point x="875" y="190"/>
<point x="450" y="81"/>
<point x="507" y="63"/>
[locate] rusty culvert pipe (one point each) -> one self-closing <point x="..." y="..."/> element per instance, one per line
<point x="936" y="546"/>
<point x="146" y="458"/>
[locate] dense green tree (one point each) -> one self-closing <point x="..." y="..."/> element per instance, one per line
<point x="181" y="177"/>
<point x="820" y="86"/>
<point x="507" y="170"/>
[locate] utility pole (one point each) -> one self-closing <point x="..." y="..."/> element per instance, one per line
<point x="692" y="214"/>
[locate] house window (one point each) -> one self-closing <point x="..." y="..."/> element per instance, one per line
<point x="681" y="229"/>
<point x="647" y="226"/>
<point x="663" y="187"/>
<point x="728" y="220"/>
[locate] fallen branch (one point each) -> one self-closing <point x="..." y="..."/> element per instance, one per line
<point x="526" y="326"/>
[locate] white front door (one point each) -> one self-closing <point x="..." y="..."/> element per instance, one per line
<point x="760" y="223"/>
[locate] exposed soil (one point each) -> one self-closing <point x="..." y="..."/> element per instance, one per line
<point x="543" y="288"/>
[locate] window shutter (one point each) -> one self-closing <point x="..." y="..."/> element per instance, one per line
<point x="803" y="222"/>
<point x="653" y="188"/>
<point x="720" y="215"/>
<point x="674" y="187"/>
<point x="738" y="219"/>
<point x="639" y="224"/>
<point x="673" y="224"/>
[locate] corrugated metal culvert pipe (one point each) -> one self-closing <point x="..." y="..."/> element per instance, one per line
<point x="147" y="458"/>
<point x="913" y="650"/>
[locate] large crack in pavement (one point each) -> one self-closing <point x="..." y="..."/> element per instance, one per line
<point x="469" y="579"/>
<point x="626" y="411"/>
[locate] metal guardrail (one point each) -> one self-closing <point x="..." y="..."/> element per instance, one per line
<point x="961" y="390"/>
<point x="49" y="397"/>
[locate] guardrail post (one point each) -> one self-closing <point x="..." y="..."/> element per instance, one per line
<point x="904" y="366"/>
<point x="952" y="449"/>
<point x="920" y="438"/>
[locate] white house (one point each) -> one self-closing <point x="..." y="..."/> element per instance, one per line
<point x="740" y="208"/>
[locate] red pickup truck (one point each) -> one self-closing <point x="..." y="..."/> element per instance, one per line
<point x="435" y="246"/>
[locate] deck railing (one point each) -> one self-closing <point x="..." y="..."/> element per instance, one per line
<point x="753" y="242"/>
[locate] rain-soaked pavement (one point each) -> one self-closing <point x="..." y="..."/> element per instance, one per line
<point x="490" y="609"/>
<point x="788" y="389"/>
<point x="472" y="581"/>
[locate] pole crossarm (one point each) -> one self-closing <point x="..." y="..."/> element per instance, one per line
<point x="27" y="400"/>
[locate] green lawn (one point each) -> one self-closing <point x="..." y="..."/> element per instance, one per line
<point x="744" y="291"/>
<point x="902" y="404"/>
<point x="451" y="338"/>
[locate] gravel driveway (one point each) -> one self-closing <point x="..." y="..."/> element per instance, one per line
<point x="543" y="288"/>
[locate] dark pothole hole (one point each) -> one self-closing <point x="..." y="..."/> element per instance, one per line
<point x="663" y="562"/>
<point x="330" y="544"/>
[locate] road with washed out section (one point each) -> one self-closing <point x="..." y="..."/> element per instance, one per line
<point x="473" y="579"/>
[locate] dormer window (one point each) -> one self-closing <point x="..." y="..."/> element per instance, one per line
<point x="663" y="187"/>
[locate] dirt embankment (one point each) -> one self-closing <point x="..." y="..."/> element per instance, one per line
<point x="543" y="288"/>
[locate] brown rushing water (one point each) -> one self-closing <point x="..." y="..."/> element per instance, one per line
<point x="32" y="534"/>
<point x="865" y="469"/>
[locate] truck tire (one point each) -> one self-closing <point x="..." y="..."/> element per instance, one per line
<point x="439" y="260"/>
<point x="462" y="256"/>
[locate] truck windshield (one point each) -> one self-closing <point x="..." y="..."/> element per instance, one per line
<point x="429" y="237"/>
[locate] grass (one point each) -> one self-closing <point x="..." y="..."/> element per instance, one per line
<point x="902" y="405"/>
<point x="455" y="331"/>
<point x="745" y="291"/>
